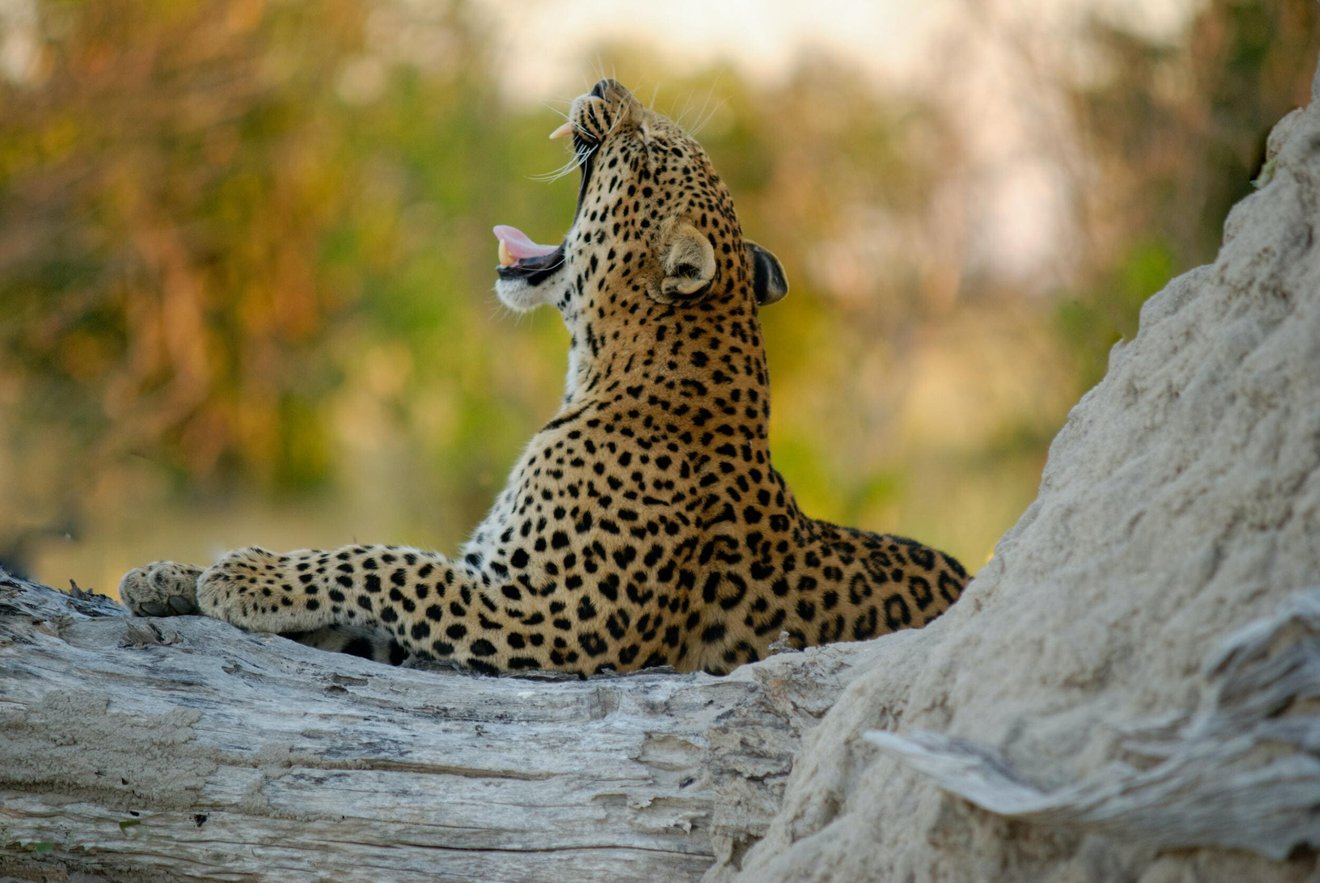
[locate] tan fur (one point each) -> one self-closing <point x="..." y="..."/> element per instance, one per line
<point x="644" y="525"/>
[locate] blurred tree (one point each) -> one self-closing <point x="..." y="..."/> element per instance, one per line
<point x="165" y="176"/>
<point x="212" y="215"/>
<point x="246" y="245"/>
<point x="1174" y="134"/>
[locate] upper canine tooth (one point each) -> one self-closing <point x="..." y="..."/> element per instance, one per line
<point x="506" y="256"/>
<point x="563" y="131"/>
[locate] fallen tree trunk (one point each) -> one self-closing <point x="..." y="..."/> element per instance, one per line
<point x="187" y="749"/>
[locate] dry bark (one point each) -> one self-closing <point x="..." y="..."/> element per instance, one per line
<point x="184" y="748"/>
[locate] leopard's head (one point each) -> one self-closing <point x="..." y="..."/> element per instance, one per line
<point x="654" y="229"/>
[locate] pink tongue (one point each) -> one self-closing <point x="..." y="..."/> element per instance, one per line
<point x="520" y="244"/>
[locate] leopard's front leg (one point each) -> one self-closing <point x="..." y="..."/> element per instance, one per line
<point x="430" y="606"/>
<point x="252" y="588"/>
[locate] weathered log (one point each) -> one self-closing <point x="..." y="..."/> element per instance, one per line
<point x="184" y="748"/>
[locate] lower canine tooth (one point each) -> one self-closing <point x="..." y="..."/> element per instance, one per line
<point x="506" y="257"/>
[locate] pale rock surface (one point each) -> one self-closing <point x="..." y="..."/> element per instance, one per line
<point x="1180" y="502"/>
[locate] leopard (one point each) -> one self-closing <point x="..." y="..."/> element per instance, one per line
<point x="644" y="525"/>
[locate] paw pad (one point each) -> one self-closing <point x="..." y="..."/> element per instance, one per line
<point x="162" y="588"/>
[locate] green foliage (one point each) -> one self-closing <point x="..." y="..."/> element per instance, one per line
<point x="1178" y="135"/>
<point x="1093" y="323"/>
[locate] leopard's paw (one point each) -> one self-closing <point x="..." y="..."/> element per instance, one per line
<point x="161" y="588"/>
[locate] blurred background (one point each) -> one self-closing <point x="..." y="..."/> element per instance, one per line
<point x="246" y="265"/>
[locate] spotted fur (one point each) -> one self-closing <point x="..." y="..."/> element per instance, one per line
<point x="644" y="524"/>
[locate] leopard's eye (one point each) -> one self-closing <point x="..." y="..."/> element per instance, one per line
<point x="583" y="142"/>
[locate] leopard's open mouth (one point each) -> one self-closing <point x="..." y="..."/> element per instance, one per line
<point x="521" y="257"/>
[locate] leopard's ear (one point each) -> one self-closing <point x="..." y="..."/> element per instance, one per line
<point x="768" y="280"/>
<point x="687" y="260"/>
